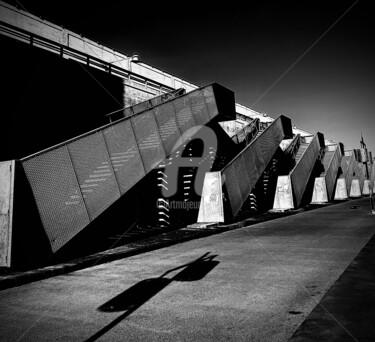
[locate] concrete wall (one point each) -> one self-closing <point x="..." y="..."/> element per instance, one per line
<point x="6" y="210"/>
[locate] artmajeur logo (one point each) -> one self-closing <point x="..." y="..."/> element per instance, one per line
<point x="209" y="139"/>
<point x="184" y="205"/>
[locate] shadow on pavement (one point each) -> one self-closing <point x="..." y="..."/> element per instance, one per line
<point x="134" y="297"/>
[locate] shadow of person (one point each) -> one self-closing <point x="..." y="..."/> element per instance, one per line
<point x="134" y="297"/>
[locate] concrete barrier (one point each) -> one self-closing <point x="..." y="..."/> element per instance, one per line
<point x="366" y="187"/>
<point x="355" y="189"/>
<point x="341" y="192"/>
<point x="211" y="206"/>
<point x="320" y="195"/>
<point x="284" y="194"/>
<point x="7" y="170"/>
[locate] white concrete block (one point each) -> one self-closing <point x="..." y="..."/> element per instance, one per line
<point x="341" y="192"/>
<point x="284" y="194"/>
<point x="355" y="189"/>
<point x="211" y="208"/>
<point x="320" y="191"/>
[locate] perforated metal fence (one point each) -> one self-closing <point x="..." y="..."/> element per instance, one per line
<point x="301" y="172"/>
<point x="348" y="170"/>
<point x="76" y="181"/>
<point x="331" y="170"/>
<point x="242" y="173"/>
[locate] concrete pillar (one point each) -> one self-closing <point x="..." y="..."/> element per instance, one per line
<point x="320" y="191"/>
<point x="341" y="192"/>
<point x="284" y="194"/>
<point x="211" y="206"/>
<point x="6" y="210"/>
<point x="355" y="189"/>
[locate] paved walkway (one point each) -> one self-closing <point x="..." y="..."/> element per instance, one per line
<point x="252" y="284"/>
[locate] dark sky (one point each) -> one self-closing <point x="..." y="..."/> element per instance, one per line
<point x="310" y="60"/>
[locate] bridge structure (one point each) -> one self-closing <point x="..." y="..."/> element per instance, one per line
<point x="118" y="166"/>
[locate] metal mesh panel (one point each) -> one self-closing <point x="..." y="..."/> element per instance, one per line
<point x="198" y="107"/>
<point x="268" y="142"/>
<point x="147" y="136"/>
<point x="57" y="195"/>
<point x="95" y="174"/>
<point x="331" y="172"/>
<point x="302" y="171"/>
<point x="185" y="118"/>
<point x="140" y="107"/>
<point x="209" y="97"/>
<point x="123" y="150"/>
<point x="168" y="129"/>
<point x="243" y="182"/>
<point x="156" y="100"/>
<point x="254" y="162"/>
<point x="233" y="189"/>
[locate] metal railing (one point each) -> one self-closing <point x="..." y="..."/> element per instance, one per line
<point x="331" y="172"/>
<point x="75" y="181"/>
<point x="243" y="171"/>
<point x="300" y="174"/>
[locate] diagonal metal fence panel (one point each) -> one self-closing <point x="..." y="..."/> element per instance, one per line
<point x="57" y="194"/>
<point x="348" y="170"/>
<point x="169" y="131"/>
<point x="198" y="107"/>
<point x="331" y="171"/>
<point x="301" y="172"/>
<point x="209" y="99"/>
<point x="148" y="139"/>
<point x="124" y="154"/>
<point x="184" y="115"/>
<point x="95" y="173"/>
<point x="75" y="181"/>
<point x="242" y="173"/>
<point x="232" y="188"/>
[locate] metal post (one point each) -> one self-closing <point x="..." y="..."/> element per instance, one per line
<point x="371" y="201"/>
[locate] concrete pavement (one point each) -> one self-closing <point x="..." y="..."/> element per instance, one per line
<point x="257" y="283"/>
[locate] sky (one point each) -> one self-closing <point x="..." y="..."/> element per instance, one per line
<point x="312" y="61"/>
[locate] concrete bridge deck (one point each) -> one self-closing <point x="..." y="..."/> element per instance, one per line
<point x="256" y="283"/>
